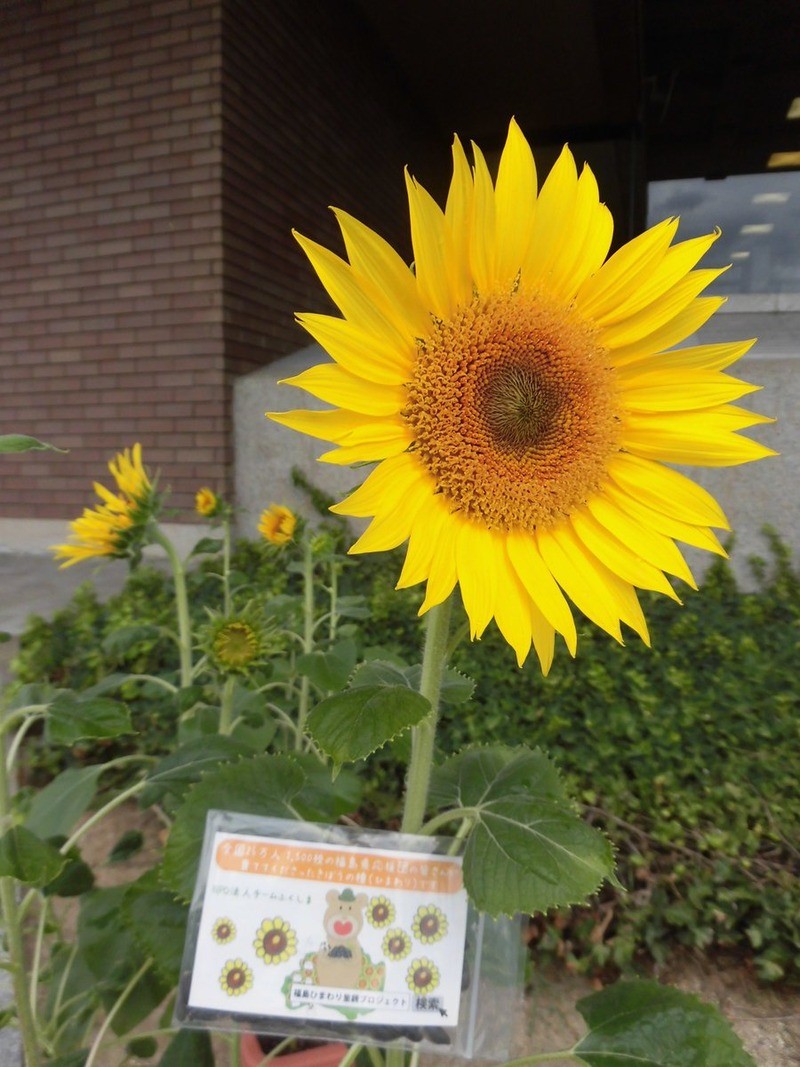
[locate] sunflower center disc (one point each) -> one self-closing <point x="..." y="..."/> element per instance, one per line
<point x="514" y="411"/>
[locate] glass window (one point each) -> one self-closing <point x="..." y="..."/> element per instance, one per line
<point x="759" y="215"/>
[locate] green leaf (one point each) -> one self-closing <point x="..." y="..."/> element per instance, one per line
<point x="188" y="1046"/>
<point x="354" y="607"/>
<point x="70" y="1059"/>
<point x="158" y="924"/>
<point x="128" y="845"/>
<point x="18" y="442"/>
<point x="72" y="718"/>
<point x="528" y="850"/>
<point x="644" y="1024"/>
<point x="329" y="670"/>
<point x="261" y="785"/>
<point x="456" y="687"/>
<point x="5" y="637"/>
<point x="55" y="810"/>
<point x="185" y="766"/>
<point x="143" y="1048"/>
<point x="207" y="546"/>
<point x="76" y="878"/>
<point x="323" y="799"/>
<point x="27" y="858"/>
<point x="123" y="639"/>
<point x="349" y="726"/>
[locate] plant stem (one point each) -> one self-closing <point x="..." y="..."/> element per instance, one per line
<point x="19" y="737"/>
<point x="126" y="992"/>
<point x="423" y="736"/>
<point x="334" y="594"/>
<point x="308" y="640"/>
<point x="226" y="564"/>
<point x="181" y="603"/>
<point x="544" y="1057"/>
<point x="14" y="947"/>
<point x="226" y="706"/>
<point x="120" y="798"/>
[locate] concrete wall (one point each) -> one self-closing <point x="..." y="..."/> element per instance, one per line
<point x="751" y="495"/>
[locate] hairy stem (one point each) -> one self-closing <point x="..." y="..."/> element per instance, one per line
<point x="181" y="604"/>
<point x="308" y="640"/>
<point x="226" y="706"/>
<point x="423" y="736"/>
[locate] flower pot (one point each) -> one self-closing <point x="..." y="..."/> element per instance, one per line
<point x="319" y="1055"/>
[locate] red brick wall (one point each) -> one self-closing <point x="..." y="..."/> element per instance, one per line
<point x="312" y="117"/>
<point x="110" y="244"/>
<point x="156" y="155"/>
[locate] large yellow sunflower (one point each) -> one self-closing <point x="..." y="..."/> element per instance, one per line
<point x="521" y="395"/>
<point x="114" y="527"/>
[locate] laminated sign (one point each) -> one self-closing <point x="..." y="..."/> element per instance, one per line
<point x="297" y="927"/>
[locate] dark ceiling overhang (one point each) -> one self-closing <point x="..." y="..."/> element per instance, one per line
<point x="642" y="89"/>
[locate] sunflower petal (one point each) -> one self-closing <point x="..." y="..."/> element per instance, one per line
<point x="666" y="490"/>
<point x="552" y="222"/>
<point x="661" y="390"/>
<point x="482" y="234"/>
<point x="476" y="550"/>
<point x="541" y="586"/>
<point x="330" y="383"/>
<point x="593" y="227"/>
<point x="515" y="204"/>
<point x="618" y="557"/>
<point x="644" y="538"/>
<point x="428" y="236"/>
<point x="512" y="612"/>
<point x="358" y="351"/>
<point x="678" y="329"/>
<point x="458" y="218"/>
<point x="384" y="488"/>
<point x="327" y="425"/>
<point x="684" y="360"/>
<point x="652" y="518"/>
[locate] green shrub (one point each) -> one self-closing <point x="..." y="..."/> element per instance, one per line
<point x="687" y="753"/>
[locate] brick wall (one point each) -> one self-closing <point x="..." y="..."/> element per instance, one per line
<point x="156" y="155"/>
<point x="110" y="259"/>
<point x="312" y="116"/>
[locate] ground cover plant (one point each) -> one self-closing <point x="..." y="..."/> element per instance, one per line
<point x="686" y="753"/>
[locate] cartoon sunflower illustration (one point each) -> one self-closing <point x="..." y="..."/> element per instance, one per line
<point x="380" y="912"/>
<point x="422" y="976"/>
<point x="396" y="944"/>
<point x="236" y="978"/>
<point x="430" y="924"/>
<point x="275" y="941"/>
<point x="223" y="931"/>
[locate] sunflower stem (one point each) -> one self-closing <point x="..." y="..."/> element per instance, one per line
<point x="181" y="603"/>
<point x="423" y="736"/>
<point x="13" y="936"/>
<point x="308" y="639"/>
<point x="226" y="706"/>
<point x="226" y="564"/>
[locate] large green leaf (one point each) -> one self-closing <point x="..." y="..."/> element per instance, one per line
<point x="644" y="1024"/>
<point x="456" y="688"/>
<point x="351" y="725"/>
<point x="188" y="1046"/>
<point x="329" y="670"/>
<point x="261" y="785"/>
<point x="324" y="798"/>
<point x="72" y="718"/>
<point x="185" y="766"/>
<point x="158" y="924"/>
<point x="18" y="442"/>
<point x="57" y="808"/>
<point x="528" y="849"/>
<point x="27" y="858"/>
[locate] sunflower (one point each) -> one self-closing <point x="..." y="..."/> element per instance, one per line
<point x="236" y="978"/>
<point x="277" y="524"/>
<point x="430" y="924"/>
<point x="521" y="396"/>
<point x="238" y="642"/>
<point x="116" y="526"/>
<point x="275" y="941"/>
<point x="422" y="976"/>
<point x="380" y="912"/>
<point x="207" y="503"/>
<point x="223" y="931"/>
<point x="396" y="944"/>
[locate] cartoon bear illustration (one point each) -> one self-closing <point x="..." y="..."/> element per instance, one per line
<point x="339" y="959"/>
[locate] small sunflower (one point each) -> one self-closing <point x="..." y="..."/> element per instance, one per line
<point x="380" y="912"/>
<point x="237" y="643"/>
<point x="236" y="978"/>
<point x="116" y="526"/>
<point x="430" y="924"/>
<point x="422" y="976"/>
<point x="277" y="524"/>
<point x="396" y="944"/>
<point x="275" y="941"/>
<point x="207" y="503"/>
<point x="223" y="931"/>
<point x="522" y="398"/>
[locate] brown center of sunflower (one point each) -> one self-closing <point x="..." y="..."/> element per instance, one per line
<point x="223" y="931"/>
<point x="422" y="977"/>
<point x="274" y="942"/>
<point x="396" y="946"/>
<point x="514" y="411"/>
<point x="429" y="925"/>
<point x="235" y="978"/>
